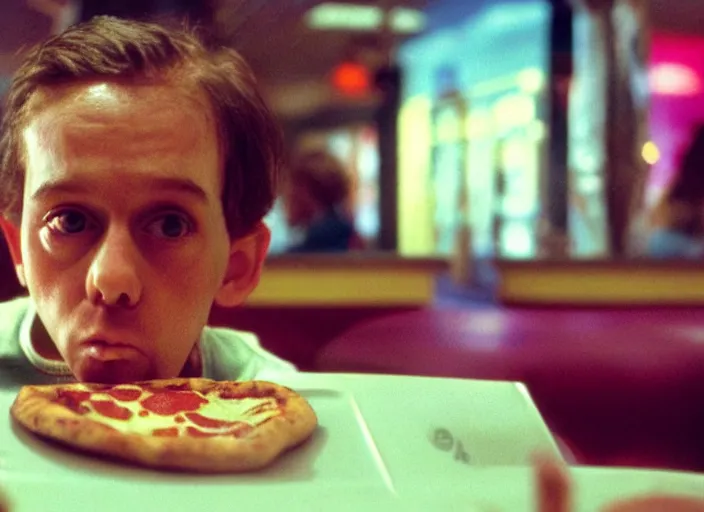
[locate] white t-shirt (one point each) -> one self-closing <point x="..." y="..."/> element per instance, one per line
<point x="226" y="354"/>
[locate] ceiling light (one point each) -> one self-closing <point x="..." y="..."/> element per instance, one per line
<point x="365" y="18"/>
<point x="339" y="16"/>
<point x="407" y="21"/>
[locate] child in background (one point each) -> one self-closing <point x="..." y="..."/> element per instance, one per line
<point x="316" y="197"/>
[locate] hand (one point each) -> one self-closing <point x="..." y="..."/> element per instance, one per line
<point x="3" y="503"/>
<point x="657" y="503"/>
<point x="552" y="485"/>
<point x="554" y="493"/>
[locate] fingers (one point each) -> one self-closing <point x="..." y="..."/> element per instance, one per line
<point x="657" y="504"/>
<point x="552" y="484"/>
<point x="554" y="493"/>
<point x="3" y="504"/>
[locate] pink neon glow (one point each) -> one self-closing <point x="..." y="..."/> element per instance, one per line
<point x="674" y="79"/>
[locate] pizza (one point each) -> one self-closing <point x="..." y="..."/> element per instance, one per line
<point x="181" y="424"/>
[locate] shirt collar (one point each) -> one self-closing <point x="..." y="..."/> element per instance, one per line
<point x="44" y="365"/>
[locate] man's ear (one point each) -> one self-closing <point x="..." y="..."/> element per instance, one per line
<point x="11" y="233"/>
<point x="244" y="267"/>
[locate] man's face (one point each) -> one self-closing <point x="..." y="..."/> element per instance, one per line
<point x="123" y="239"/>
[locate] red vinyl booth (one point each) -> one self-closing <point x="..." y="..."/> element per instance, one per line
<point x="619" y="387"/>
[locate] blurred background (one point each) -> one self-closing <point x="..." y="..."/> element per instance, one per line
<point x="485" y="120"/>
<point x="501" y="189"/>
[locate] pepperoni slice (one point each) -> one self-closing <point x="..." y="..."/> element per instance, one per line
<point x="111" y="410"/>
<point x="125" y="395"/>
<point x="73" y="400"/>
<point x="168" y="403"/>
<point x="165" y="432"/>
<point x="71" y="396"/>
<point x="205" y="422"/>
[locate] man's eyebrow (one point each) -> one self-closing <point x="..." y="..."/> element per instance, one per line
<point x="57" y="187"/>
<point x="178" y="185"/>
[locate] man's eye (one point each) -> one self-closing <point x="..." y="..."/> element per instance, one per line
<point x="170" y="225"/>
<point x="68" y="222"/>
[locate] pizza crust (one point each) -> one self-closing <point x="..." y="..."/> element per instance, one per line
<point x="35" y="409"/>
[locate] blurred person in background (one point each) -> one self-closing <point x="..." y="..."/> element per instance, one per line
<point x="316" y="196"/>
<point x="678" y="220"/>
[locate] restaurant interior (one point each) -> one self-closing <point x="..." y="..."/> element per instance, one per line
<point x="505" y="160"/>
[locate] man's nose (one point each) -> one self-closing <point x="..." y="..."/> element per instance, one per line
<point x="113" y="278"/>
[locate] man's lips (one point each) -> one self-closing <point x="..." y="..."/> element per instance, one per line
<point x="103" y="359"/>
<point x="106" y="349"/>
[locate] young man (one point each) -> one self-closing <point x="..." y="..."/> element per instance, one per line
<point x="135" y="169"/>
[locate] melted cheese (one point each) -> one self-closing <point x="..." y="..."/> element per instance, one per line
<point x="217" y="408"/>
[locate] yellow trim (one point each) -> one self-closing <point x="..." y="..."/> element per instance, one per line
<point x="607" y="286"/>
<point x="415" y="210"/>
<point x="370" y="286"/>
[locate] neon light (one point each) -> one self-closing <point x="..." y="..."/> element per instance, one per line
<point x="671" y="79"/>
<point x="351" y="78"/>
<point x="364" y="18"/>
<point x="651" y="153"/>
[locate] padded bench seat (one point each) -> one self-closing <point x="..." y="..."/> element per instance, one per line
<point x="620" y="387"/>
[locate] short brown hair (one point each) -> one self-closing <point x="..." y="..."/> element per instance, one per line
<point x="324" y="176"/>
<point x="125" y="50"/>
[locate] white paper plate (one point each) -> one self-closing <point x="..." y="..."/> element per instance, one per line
<point x="384" y="443"/>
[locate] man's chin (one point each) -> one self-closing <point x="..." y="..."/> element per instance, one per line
<point x="112" y="372"/>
